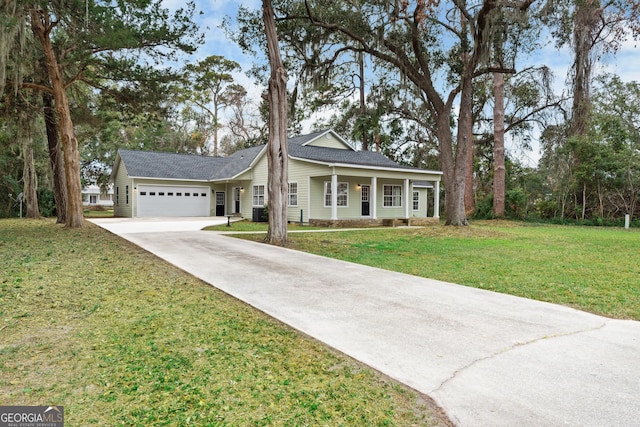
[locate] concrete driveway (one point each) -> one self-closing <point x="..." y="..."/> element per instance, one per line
<point x="487" y="359"/>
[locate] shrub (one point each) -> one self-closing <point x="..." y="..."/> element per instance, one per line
<point x="46" y="202"/>
<point x="516" y="204"/>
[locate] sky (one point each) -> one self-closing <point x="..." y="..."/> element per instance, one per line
<point x="626" y="63"/>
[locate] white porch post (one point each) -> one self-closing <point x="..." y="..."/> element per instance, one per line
<point x="373" y="196"/>
<point x="334" y="196"/>
<point x="406" y="198"/>
<point x="436" y="199"/>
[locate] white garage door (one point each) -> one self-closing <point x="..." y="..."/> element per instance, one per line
<point x="156" y="200"/>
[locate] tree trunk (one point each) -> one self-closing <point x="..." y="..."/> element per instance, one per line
<point x="585" y="23"/>
<point x="42" y="26"/>
<point x="469" y="196"/>
<point x="277" y="149"/>
<point x="55" y="158"/>
<point x="30" y="192"/>
<point x="363" y="105"/>
<point x="499" y="170"/>
<point x="454" y="165"/>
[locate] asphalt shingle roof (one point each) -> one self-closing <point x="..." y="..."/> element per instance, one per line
<point x="153" y="164"/>
<point x="150" y="164"/>
<point x="332" y="155"/>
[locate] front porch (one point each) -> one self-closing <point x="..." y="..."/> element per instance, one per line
<point x="373" y="200"/>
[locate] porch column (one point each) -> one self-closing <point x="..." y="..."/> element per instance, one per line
<point x="372" y="196"/>
<point x="407" y="200"/>
<point x="334" y="196"/>
<point x="436" y="199"/>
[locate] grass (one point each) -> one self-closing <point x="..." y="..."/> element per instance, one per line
<point x="257" y="227"/>
<point x="119" y="337"/>
<point x="98" y="213"/>
<point x="589" y="268"/>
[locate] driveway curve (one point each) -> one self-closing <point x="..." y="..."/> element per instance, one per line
<point x="487" y="359"/>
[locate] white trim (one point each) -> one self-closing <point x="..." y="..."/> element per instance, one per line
<point x="436" y="200"/>
<point x="297" y="192"/>
<point x="380" y="168"/>
<point x="253" y="195"/>
<point x="233" y="198"/>
<point x="334" y="196"/>
<point x="336" y="136"/>
<point x="142" y="189"/>
<point x="224" y="201"/>
<point x="374" y="197"/>
<point x="309" y="198"/>
<point x="368" y="186"/>
<point x="338" y="184"/>
<point x="393" y="196"/>
<point x="407" y="191"/>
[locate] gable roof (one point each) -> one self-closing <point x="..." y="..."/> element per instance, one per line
<point x="305" y="140"/>
<point x="238" y="162"/>
<point x="192" y="167"/>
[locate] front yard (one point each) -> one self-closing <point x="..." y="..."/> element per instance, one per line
<point x="589" y="268"/>
<point x="118" y="337"/>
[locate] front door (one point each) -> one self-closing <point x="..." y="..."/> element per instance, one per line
<point x="236" y="200"/>
<point x="365" y="190"/>
<point x="220" y="197"/>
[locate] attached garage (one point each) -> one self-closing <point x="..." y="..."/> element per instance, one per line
<point x="157" y="200"/>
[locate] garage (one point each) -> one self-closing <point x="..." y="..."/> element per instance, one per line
<point x="156" y="200"/>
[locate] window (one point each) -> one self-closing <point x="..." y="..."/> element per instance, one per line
<point x="170" y="194"/>
<point x="187" y="194"/>
<point x="203" y="194"/>
<point x="152" y="193"/>
<point x="258" y="195"/>
<point x="117" y="195"/>
<point x="416" y="201"/>
<point x="126" y="194"/>
<point x="178" y="194"/>
<point x="392" y="195"/>
<point x="293" y="194"/>
<point x="343" y="194"/>
<point x="195" y="194"/>
<point x="161" y="193"/>
<point x="143" y="193"/>
<point x="93" y="199"/>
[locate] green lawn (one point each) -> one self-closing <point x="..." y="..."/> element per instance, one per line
<point x="95" y="213"/>
<point x="590" y="268"/>
<point x="119" y="337"/>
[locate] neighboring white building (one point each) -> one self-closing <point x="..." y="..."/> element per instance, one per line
<point x="92" y="196"/>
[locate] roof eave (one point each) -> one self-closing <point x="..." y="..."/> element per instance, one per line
<point x="355" y="166"/>
<point x="169" y="179"/>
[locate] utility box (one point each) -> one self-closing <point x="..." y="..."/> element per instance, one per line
<point x="259" y="215"/>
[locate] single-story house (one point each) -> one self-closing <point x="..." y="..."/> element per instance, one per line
<point x="328" y="181"/>
<point x="93" y="195"/>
